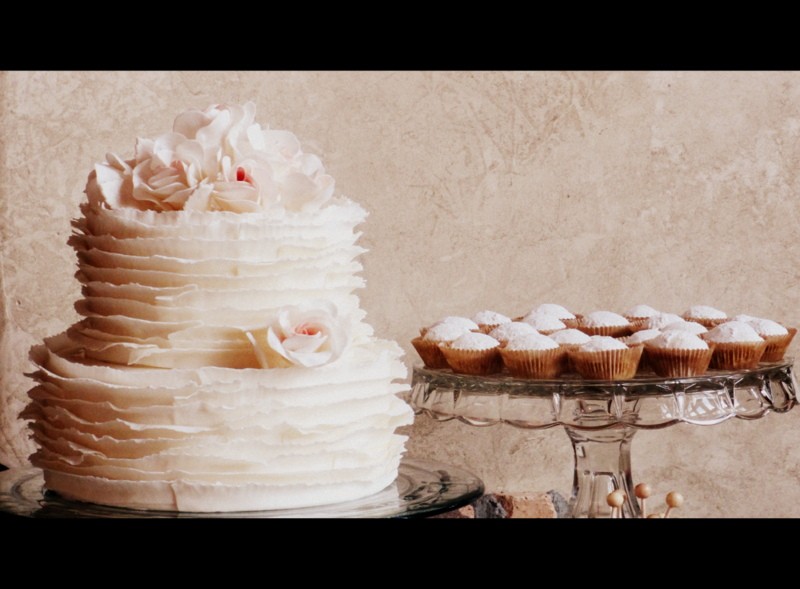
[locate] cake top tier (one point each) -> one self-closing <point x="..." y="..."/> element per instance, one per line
<point x="218" y="159"/>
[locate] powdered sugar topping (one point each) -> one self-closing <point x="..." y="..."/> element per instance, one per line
<point x="602" y="343"/>
<point x="678" y="340"/>
<point x="733" y="331"/>
<point x="604" y="319"/>
<point x="569" y="336"/>
<point x="474" y="341"/>
<point x="531" y="341"/>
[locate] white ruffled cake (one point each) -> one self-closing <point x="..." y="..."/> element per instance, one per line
<point x="223" y="362"/>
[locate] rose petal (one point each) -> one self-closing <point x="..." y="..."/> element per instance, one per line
<point x="188" y="123"/>
<point x="260" y="356"/>
<point x="310" y="360"/>
<point x="304" y="343"/>
<point x="199" y="199"/>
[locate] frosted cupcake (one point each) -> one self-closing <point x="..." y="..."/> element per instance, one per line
<point x="533" y="356"/>
<point x="659" y="321"/>
<point x="569" y="339"/>
<point x="606" y="358"/>
<point x="776" y="335"/>
<point x="473" y="353"/>
<point x="604" y="323"/>
<point x="676" y="353"/>
<point x="564" y="315"/>
<point x="743" y="317"/>
<point x="544" y="322"/>
<point x="428" y="346"/>
<point x="737" y="346"/>
<point x="488" y="320"/>
<point x="467" y="324"/>
<point x="708" y="317"/>
<point x="506" y="331"/>
<point x="640" y="336"/>
<point x="689" y="326"/>
<point x="639" y="313"/>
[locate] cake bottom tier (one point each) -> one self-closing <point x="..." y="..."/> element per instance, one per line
<point x="217" y="439"/>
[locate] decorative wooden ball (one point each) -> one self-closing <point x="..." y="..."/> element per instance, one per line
<point x="616" y="498"/>
<point x="643" y="490"/>
<point x="674" y="499"/>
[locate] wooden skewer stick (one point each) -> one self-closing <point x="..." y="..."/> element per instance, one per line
<point x="674" y="501"/>
<point x="643" y="491"/>
<point x="615" y="499"/>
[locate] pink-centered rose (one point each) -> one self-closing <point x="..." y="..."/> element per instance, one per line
<point x="219" y="159"/>
<point x="300" y="337"/>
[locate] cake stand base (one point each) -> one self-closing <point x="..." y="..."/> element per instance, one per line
<point x="602" y="465"/>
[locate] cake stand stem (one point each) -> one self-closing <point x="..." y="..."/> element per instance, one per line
<point x="602" y="465"/>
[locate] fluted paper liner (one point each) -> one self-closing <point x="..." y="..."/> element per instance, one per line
<point x="566" y="361"/>
<point x="430" y="352"/>
<point x="476" y="362"/>
<point x="607" y="364"/>
<point x="777" y="345"/>
<point x="671" y="362"/>
<point x="737" y="355"/>
<point x="534" y="363"/>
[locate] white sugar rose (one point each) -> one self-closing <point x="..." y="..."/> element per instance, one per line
<point x="214" y="160"/>
<point x="298" y="336"/>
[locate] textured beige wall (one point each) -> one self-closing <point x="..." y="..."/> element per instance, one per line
<point x="486" y="190"/>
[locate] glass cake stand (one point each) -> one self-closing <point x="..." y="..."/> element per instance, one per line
<point x="601" y="417"/>
<point x="422" y="488"/>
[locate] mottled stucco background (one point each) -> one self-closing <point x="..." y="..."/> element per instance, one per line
<point x="486" y="190"/>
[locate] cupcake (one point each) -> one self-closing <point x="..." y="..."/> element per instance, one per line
<point x="428" y="346"/>
<point x="569" y="339"/>
<point x="606" y="358"/>
<point x="659" y="321"/>
<point x="488" y="320"/>
<point x="467" y="324"/>
<point x="676" y="353"/>
<point x="639" y="337"/>
<point x="743" y="317"/>
<point x="544" y="322"/>
<point x="737" y="346"/>
<point x="473" y="353"/>
<point x="776" y="335"/>
<point x="639" y="313"/>
<point x="569" y="319"/>
<point x="533" y="356"/>
<point x="506" y="331"/>
<point x="708" y="317"/>
<point x="604" y="323"/>
<point x="689" y="326"/>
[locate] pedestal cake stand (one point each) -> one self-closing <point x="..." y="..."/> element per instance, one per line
<point x="422" y="488"/>
<point x="601" y="417"/>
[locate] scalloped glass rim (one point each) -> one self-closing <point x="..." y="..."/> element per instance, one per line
<point x="592" y="405"/>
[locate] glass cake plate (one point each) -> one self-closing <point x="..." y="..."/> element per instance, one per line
<point x="422" y="488"/>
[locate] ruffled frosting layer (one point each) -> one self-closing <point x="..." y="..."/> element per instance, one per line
<point x="176" y="289"/>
